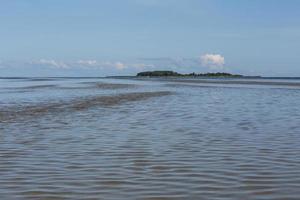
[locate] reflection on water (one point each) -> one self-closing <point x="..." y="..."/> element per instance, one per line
<point x="129" y="142"/>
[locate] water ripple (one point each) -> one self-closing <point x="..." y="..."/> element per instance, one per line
<point x="199" y="143"/>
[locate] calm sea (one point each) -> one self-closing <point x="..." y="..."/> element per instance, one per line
<point x="67" y="138"/>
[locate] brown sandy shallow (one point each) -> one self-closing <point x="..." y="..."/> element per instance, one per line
<point x="110" y="86"/>
<point x="39" y="87"/>
<point x="91" y="85"/>
<point x="32" y="87"/>
<point x="14" y="113"/>
<point x="102" y="86"/>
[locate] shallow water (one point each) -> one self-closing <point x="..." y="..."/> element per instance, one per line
<point x="149" y="139"/>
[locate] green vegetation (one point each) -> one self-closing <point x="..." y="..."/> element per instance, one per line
<point x="159" y="73"/>
<point x="171" y="73"/>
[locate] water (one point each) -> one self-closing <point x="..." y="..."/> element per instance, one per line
<point x="149" y="139"/>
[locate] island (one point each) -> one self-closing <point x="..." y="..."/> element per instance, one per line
<point x="175" y="74"/>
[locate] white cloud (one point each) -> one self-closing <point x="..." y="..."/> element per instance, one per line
<point x="207" y="61"/>
<point x="141" y="66"/>
<point x="111" y="65"/>
<point x="88" y="62"/>
<point x="50" y="63"/>
<point x="213" y="61"/>
<point x="120" y="66"/>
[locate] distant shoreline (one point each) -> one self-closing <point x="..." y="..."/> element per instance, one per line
<point x="133" y="76"/>
<point x="176" y="74"/>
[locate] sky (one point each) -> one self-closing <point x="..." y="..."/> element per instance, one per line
<point x="123" y="37"/>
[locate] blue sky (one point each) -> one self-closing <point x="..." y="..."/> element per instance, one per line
<point x="120" y="37"/>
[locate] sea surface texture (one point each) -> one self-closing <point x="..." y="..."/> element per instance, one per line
<point x="167" y="138"/>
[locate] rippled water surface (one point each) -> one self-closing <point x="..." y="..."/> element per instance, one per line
<point x="149" y="139"/>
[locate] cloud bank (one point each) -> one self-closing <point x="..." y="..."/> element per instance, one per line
<point x="88" y="64"/>
<point x="201" y="64"/>
<point x="49" y="63"/>
<point x="213" y="61"/>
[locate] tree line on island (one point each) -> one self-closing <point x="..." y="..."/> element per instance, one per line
<point x="172" y="73"/>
